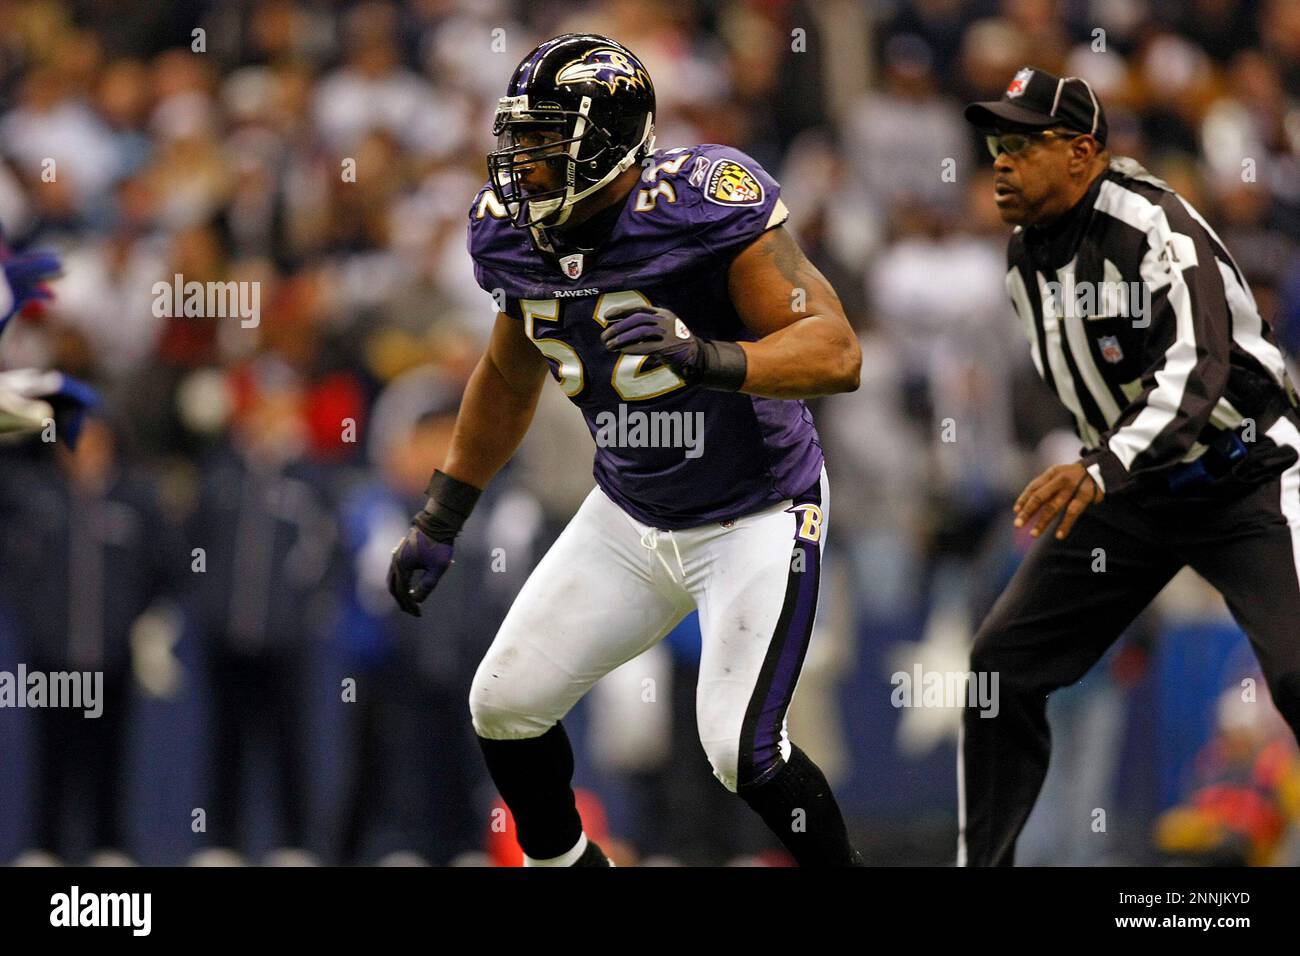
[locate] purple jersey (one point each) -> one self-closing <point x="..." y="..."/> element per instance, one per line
<point x="670" y="455"/>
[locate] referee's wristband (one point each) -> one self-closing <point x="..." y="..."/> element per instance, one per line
<point x="721" y="366"/>
<point x="450" y="502"/>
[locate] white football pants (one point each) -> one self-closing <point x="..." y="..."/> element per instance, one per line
<point x="611" y="587"/>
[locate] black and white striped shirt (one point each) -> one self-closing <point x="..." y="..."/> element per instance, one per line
<point x="1143" y="325"/>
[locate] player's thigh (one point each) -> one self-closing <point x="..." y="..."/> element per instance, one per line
<point x="1069" y="600"/>
<point x="757" y="609"/>
<point x="589" y="606"/>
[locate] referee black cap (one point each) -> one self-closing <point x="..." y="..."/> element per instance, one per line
<point x="1035" y="99"/>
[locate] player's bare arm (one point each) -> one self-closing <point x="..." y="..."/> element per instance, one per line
<point x="807" y="347"/>
<point x="498" y="407"/>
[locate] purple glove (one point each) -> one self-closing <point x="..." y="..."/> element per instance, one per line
<point x="650" y="330"/>
<point x="418" y="562"/>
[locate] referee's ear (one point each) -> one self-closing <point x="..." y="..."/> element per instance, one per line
<point x="1085" y="151"/>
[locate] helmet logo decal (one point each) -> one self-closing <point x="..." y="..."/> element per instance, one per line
<point x="731" y="184"/>
<point x="604" y="65"/>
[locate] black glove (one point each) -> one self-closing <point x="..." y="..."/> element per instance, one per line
<point x="650" y="330"/>
<point x="424" y="555"/>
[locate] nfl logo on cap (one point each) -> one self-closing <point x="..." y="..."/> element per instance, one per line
<point x="1019" y="82"/>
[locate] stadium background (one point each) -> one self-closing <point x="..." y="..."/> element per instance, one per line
<point x="228" y="164"/>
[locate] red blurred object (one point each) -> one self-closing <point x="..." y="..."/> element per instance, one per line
<point x="331" y="400"/>
<point x="242" y="388"/>
<point x="1242" y="810"/>
<point x="35" y="308"/>
<point x="503" y="847"/>
<point x="1129" y="665"/>
<point x="187" y="342"/>
<point x="1274" y="762"/>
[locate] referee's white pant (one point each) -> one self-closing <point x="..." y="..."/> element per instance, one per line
<point x="611" y="587"/>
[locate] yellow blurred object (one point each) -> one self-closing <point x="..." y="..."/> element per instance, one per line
<point x="1288" y="792"/>
<point x="1187" y="830"/>
<point x="390" y="352"/>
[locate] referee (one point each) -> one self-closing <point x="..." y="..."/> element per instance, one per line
<point x="1141" y="323"/>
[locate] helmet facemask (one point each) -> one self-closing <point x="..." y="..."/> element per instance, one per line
<point x="578" y="151"/>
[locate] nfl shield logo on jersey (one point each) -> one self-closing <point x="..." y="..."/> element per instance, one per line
<point x="1110" y="349"/>
<point x="572" y="265"/>
<point x="1018" y="83"/>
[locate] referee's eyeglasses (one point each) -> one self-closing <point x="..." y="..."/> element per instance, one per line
<point x="1014" y="143"/>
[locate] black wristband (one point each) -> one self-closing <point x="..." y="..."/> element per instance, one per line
<point x="722" y="366"/>
<point x="449" y="506"/>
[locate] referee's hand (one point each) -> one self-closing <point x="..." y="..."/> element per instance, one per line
<point x="1067" y="487"/>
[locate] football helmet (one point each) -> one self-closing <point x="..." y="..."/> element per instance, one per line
<point x="594" y="100"/>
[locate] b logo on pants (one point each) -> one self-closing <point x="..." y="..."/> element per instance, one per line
<point x="811" y="528"/>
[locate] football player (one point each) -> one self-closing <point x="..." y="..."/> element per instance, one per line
<point x="663" y="294"/>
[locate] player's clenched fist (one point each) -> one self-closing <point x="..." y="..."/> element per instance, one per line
<point x="1067" y="488"/>
<point x="424" y="555"/>
<point x="418" y="562"/>
<point x="649" y="330"/>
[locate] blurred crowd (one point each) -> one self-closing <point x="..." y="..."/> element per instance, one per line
<point x="218" y="543"/>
